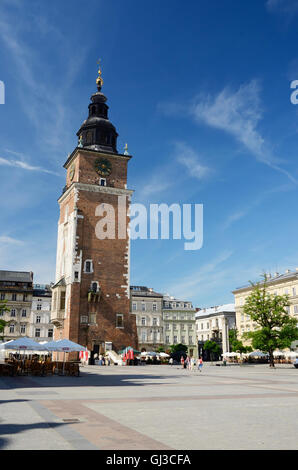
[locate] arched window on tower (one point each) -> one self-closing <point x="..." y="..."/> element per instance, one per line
<point x="93" y="110"/>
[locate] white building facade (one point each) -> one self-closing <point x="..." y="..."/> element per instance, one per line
<point x="40" y="327"/>
<point x="146" y="305"/>
<point x="213" y="324"/>
<point x="179" y="324"/>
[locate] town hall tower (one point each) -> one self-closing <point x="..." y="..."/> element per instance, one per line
<point x="90" y="302"/>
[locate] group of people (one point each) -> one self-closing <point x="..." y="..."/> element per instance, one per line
<point x="190" y="363"/>
<point x="103" y="361"/>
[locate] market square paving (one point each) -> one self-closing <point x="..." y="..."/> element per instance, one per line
<point x="152" y="408"/>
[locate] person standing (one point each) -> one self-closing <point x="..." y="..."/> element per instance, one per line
<point x="171" y="361"/>
<point x="200" y="366"/>
<point x="182" y="362"/>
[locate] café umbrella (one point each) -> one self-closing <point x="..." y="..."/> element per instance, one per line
<point x="64" y="345"/>
<point x="258" y="354"/>
<point x="24" y="344"/>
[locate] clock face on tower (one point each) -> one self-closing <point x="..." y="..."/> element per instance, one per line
<point x="103" y="167"/>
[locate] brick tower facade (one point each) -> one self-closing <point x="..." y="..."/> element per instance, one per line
<point x="90" y="304"/>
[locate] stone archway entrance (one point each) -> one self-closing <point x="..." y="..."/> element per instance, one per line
<point x="98" y="347"/>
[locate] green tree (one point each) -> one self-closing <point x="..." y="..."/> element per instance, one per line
<point x="160" y="349"/>
<point x="174" y="348"/>
<point x="3" y="323"/>
<point x="213" y="348"/>
<point x="276" y="329"/>
<point x="235" y="344"/>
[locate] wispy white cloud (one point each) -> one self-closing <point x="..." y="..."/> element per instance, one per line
<point x="190" y="286"/>
<point x="24" y="166"/>
<point x="238" y="113"/>
<point x="187" y="157"/>
<point x="42" y="93"/>
<point x="164" y="178"/>
<point x="246" y="209"/>
<point x="5" y="240"/>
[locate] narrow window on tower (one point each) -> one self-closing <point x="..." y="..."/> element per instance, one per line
<point x="62" y="300"/>
<point x="103" y="182"/>
<point x="119" y="320"/>
<point x="88" y="267"/>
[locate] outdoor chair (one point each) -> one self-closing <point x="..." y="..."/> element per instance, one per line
<point x="37" y="368"/>
<point x="49" y="368"/>
<point x="27" y="366"/>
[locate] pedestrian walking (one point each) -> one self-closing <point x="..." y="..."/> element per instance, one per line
<point x="171" y="361"/>
<point x="200" y="364"/>
<point x="192" y="363"/>
<point x="182" y="362"/>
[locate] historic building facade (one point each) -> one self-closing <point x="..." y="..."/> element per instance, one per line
<point x="147" y="305"/>
<point x="17" y="289"/>
<point x="91" y="303"/>
<point x="213" y="324"/>
<point x="278" y="284"/>
<point x="40" y="327"/>
<point x="179" y="323"/>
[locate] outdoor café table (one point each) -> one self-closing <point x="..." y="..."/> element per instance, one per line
<point x="5" y="367"/>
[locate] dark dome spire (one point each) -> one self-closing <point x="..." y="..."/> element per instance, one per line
<point x="97" y="132"/>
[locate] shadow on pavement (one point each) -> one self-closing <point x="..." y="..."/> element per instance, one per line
<point x="86" y="379"/>
<point x="6" y="429"/>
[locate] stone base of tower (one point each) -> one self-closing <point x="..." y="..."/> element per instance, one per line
<point x="97" y="331"/>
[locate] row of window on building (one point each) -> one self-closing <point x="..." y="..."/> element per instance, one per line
<point x="14" y="297"/>
<point x="181" y="340"/>
<point x="38" y="332"/>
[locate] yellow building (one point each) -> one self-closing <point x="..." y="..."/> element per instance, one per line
<point x="278" y="284"/>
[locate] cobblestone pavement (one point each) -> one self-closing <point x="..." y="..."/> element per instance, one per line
<point x="152" y="408"/>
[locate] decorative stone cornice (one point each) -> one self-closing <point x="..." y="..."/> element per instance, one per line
<point x="93" y="188"/>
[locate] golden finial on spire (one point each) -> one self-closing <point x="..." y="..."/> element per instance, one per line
<point x="99" y="80"/>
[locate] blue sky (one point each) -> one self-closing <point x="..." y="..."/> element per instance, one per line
<point x="200" y="91"/>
